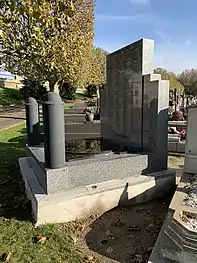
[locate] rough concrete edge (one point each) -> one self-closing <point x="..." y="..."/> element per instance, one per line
<point x="99" y="203"/>
<point x="31" y="184"/>
<point x="30" y="177"/>
<point x="79" y="196"/>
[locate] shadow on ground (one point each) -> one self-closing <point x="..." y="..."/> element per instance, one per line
<point x="13" y="203"/>
<point x="12" y="117"/>
<point x="127" y="234"/>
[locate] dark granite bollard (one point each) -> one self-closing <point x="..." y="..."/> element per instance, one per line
<point x="54" y="137"/>
<point x="32" y="122"/>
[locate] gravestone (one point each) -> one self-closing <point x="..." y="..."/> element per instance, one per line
<point x="134" y="103"/>
<point x="191" y="145"/>
<point x="134" y="115"/>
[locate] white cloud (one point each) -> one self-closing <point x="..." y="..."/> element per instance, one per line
<point x="144" y="2"/>
<point x="147" y="18"/>
<point x="137" y="18"/>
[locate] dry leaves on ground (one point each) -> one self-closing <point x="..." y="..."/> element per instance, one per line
<point x="40" y="240"/>
<point x="6" y="257"/>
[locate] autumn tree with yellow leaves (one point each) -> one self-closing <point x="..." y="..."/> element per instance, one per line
<point x="47" y="39"/>
<point x="172" y="77"/>
<point x="98" y="74"/>
<point x="188" y="78"/>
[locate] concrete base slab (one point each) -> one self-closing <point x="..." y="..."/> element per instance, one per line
<point x="97" y="198"/>
<point x="167" y="251"/>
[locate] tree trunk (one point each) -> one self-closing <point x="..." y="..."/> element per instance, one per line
<point x="51" y="86"/>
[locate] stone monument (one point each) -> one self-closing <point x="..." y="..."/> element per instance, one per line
<point x="134" y="116"/>
<point x="134" y="103"/>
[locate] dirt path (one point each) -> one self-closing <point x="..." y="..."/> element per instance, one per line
<point x="11" y="116"/>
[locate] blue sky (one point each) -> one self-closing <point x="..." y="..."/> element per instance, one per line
<point x="170" y="23"/>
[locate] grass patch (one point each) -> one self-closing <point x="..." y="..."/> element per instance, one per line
<point x="17" y="233"/>
<point x="80" y="96"/>
<point x="10" y="96"/>
<point x="68" y="105"/>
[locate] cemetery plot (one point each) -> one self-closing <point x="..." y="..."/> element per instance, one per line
<point x="126" y="152"/>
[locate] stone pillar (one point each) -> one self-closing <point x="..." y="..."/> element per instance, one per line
<point x="191" y="142"/>
<point x="54" y="131"/>
<point x="32" y="123"/>
<point x="155" y="121"/>
<point x="122" y="115"/>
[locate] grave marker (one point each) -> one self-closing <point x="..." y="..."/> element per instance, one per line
<point x="135" y="101"/>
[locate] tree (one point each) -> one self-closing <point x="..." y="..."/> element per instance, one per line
<point x="188" y="78"/>
<point x="98" y="66"/>
<point x="91" y="90"/>
<point x="172" y="77"/>
<point x="47" y="39"/>
<point x="33" y="88"/>
<point x="67" y="91"/>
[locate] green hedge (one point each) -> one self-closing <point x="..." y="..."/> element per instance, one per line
<point x="10" y="96"/>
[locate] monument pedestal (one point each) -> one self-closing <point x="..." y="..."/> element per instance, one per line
<point x="77" y="190"/>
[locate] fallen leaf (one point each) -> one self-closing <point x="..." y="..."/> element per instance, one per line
<point x="6" y="257"/>
<point x="89" y="259"/>
<point x="184" y="218"/>
<point x="138" y="258"/>
<point x="134" y="228"/>
<point x="41" y="240"/>
<point x="139" y="210"/>
<point x="119" y="223"/>
<point x="81" y="228"/>
<point x="104" y="241"/>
